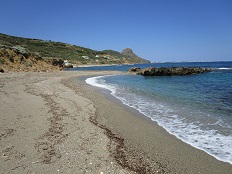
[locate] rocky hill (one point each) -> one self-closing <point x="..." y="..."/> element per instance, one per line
<point x="124" y="58"/>
<point x="47" y="50"/>
<point x="131" y="55"/>
<point x="17" y="58"/>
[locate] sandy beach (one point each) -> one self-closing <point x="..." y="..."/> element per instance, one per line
<point x="56" y="123"/>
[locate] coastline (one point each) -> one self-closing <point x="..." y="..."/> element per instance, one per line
<point x="88" y="65"/>
<point x="58" y="121"/>
<point x="161" y="151"/>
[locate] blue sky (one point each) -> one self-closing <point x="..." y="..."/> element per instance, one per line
<point x="157" y="30"/>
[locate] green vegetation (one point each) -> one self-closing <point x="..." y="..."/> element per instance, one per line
<point x="73" y="53"/>
<point x="1" y="60"/>
<point x="113" y="53"/>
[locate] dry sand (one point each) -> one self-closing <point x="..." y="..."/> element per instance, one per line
<point x="56" y="123"/>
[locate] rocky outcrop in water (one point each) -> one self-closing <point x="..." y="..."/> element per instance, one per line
<point x="152" y="71"/>
<point x="134" y="69"/>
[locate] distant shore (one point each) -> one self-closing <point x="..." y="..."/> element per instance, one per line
<point x="100" y="65"/>
<point x="95" y="65"/>
<point x="55" y="122"/>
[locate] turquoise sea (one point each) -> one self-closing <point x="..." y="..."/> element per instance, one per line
<point x="196" y="109"/>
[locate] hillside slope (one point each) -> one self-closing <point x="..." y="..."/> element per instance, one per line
<point x="74" y="54"/>
<point x="131" y="55"/>
<point x="17" y="58"/>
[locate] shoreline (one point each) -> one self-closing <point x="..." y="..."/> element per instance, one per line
<point x="58" y="121"/>
<point x="189" y="163"/>
<point x="81" y="66"/>
<point x="118" y="99"/>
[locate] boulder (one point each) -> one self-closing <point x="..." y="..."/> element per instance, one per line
<point x="68" y="66"/>
<point x="152" y="71"/>
<point x="134" y="69"/>
<point x="56" y="62"/>
<point x="21" y="50"/>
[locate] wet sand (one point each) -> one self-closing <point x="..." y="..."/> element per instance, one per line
<point x="56" y="123"/>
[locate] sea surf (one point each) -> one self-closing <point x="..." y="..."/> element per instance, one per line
<point x="196" y="109"/>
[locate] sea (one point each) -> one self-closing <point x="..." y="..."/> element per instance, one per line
<point x="197" y="109"/>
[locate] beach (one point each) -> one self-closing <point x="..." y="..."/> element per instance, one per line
<point x="56" y="123"/>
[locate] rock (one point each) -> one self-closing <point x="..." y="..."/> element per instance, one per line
<point x="134" y="69"/>
<point x="1" y="70"/>
<point x="11" y="58"/>
<point x="68" y="66"/>
<point x="55" y="62"/>
<point x="152" y="71"/>
<point x="21" y="50"/>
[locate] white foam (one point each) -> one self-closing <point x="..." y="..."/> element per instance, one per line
<point x="225" y="68"/>
<point x="209" y="141"/>
<point x="194" y="133"/>
<point x="100" y="82"/>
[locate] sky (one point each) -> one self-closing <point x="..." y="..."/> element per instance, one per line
<point x="157" y="30"/>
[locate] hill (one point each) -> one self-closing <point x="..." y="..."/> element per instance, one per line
<point x="126" y="56"/>
<point x="131" y="55"/>
<point x="17" y="58"/>
<point x="74" y="54"/>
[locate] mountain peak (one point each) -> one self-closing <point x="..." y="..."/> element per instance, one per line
<point x="128" y="51"/>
